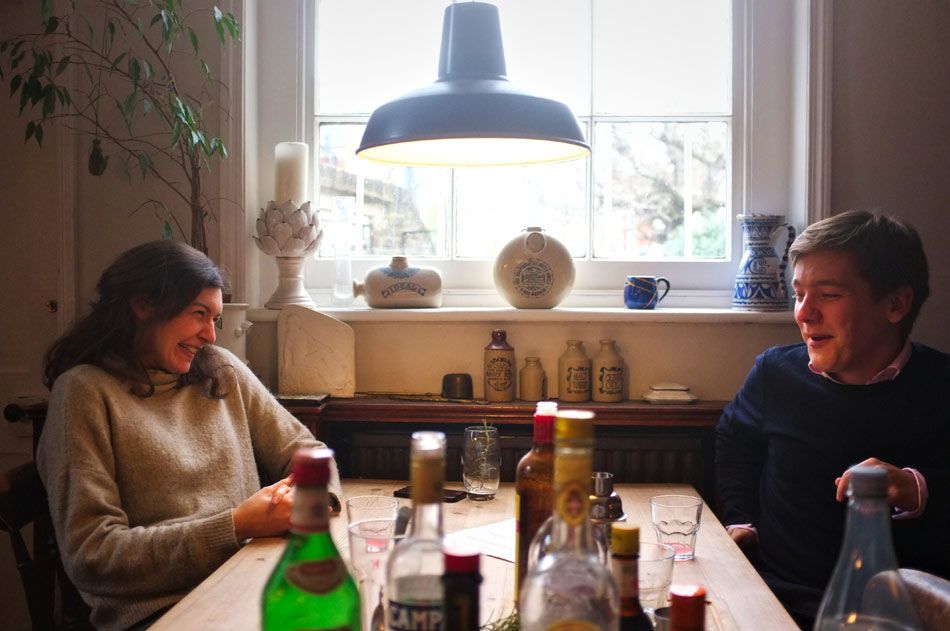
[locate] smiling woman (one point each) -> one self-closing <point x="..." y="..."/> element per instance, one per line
<point x="156" y="441"/>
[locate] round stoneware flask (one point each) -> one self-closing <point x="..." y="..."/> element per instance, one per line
<point x="534" y="271"/>
<point x="400" y="286"/>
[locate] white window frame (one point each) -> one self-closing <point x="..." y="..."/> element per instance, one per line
<point x="780" y="145"/>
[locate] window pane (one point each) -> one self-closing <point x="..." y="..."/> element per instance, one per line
<point x="661" y="190"/>
<point x="496" y="204"/>
<point x="656" y="58"/>
<point x="400" y="210"/>
<point x="547" y="49"/>
<point x="371" y="51"/>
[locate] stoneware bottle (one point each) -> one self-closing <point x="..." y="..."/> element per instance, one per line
<point x="499" y="368"/>
<point x="533" y="382"/>
<point x="400" y="286"/>
<point x="573" y="373"/>
<point x="607" y="374"/>
<point x="534" y="271"/>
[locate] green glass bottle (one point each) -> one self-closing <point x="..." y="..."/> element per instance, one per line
<point x="311" y="589"/>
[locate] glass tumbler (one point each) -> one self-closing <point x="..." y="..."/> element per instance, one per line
<point x="481" y="462"/>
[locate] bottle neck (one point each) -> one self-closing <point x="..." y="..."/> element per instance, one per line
<point x="572" y="530"/>
<point x="310" y="513"/>
<point x="426" y="478"/>
<point x="543" y="432"/>
<point x="426" y="521"/>
<point x="868" y="527"/>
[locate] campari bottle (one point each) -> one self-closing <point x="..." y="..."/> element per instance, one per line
<point x="415" y="568"/>
<point x="311" y="588"/>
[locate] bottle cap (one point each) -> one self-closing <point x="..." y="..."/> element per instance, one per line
<point x="868" y="481"/>
<point x="601" y="483"/>
<point x="573" y="425"/>
<point x="624" y="539"/>
<point x="687" y="607"/>
<point x="311" y="467"/>
<point x="461" y="560"/>
<point x="545" y="408"/>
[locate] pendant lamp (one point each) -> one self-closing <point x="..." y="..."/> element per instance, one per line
<point x="472" y="115"/>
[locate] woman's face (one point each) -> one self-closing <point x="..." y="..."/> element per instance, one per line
<point x="170" y="345"/>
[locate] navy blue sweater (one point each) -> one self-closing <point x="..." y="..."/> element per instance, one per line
<point x="789" y="433"/>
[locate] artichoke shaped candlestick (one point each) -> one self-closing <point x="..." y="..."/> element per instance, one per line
<point x="289" y="234"/>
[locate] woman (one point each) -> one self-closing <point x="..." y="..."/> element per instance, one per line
<point x="156" y="441"/>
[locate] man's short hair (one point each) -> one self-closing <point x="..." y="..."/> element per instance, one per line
<point x="886" y="251"/>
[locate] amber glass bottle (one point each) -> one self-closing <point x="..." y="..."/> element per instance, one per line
<point x="534" y="487"/>
<point x="624" y="560"/>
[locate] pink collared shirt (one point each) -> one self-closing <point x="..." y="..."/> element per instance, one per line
<point x="888" y="374"/>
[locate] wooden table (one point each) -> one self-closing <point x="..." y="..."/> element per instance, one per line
<point x="230" y="598"/>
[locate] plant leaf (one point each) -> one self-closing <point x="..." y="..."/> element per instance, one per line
<point x="194" y="39"/>
<point x="30" y="128"/>
<point x="49" y="103"/>
<point x="15" y="82"/>
<point x="62" y="65"/>
<point x="110" y="27"/>
<point x="45" y="9"/>
<point x="39" y="134"/>
<point x="176" y="133"/>
<point x="145" y="163"/>
<point x="206" y="70"/>
<point x="51" y="24"/>
<point x="146" y="106"/>
<point x="135" y="70"/>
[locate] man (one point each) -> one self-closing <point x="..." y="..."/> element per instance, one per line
<point x="855" y="391"/>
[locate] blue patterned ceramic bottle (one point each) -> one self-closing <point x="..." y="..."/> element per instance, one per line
<point x="760" y="281"/>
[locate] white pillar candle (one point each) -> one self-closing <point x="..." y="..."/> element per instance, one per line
<point x="290" y="182"/>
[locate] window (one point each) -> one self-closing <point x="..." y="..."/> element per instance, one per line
<point x="651" y="83"/>
<point x="321" y="67"/>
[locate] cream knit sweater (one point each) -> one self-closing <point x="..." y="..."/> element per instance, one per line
<point x="141" y="490"/>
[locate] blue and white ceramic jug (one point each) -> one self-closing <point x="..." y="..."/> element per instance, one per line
<point x="760" y="282"/>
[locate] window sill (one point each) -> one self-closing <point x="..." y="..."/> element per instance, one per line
<point x="671" y="315"/>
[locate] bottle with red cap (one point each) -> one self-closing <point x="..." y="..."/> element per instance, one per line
<point x="311" y="588"/>
<point x="534" y="487"/>
<point x="687" y="607"/>
<point x="624" y="561"/>
<point x="461" y="582"/>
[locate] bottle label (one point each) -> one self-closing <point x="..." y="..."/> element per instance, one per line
<point x="311" y="511"/>
<point x="316" y="577"/>
<point x="611" y="380"/>
<point x="626" y="577"/>
<point x="416" y="616"/>
<point x="572" y="625"/>
<point x="572" y="485"/>
<point x="578" y="379"/>
<point x="426" y="475"/>
<point x="499" y="373"/>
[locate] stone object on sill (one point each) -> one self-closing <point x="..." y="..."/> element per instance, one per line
<point x="316" y="354"/>
<point x="669" y="393"/>
<point x="401" y="286"/>
<point x="534" y="271"/>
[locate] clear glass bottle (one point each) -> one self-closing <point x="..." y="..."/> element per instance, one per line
<point x="573" y="373"/>
<point x="607" y="376"/>
<point x="499" y="368"/>
<point x="415" y="567"/>
<point x="866" y="591"/>
<point x="310" y="588"/>
<point x="534" y="487"/>
<point x="344" y="209"/>
<point x="461" y="583"/>
<point x="570" y="588"/>
<point x="624" y="556"/>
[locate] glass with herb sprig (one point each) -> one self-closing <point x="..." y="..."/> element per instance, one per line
<point x="481" y="461"/>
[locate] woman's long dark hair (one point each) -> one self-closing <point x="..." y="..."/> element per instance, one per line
<point x="168" y="275"/>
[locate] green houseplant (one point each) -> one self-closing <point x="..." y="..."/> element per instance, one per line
<point x="108" y="70"/>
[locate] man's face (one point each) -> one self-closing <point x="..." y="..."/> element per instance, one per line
<point x="849" y="335"/>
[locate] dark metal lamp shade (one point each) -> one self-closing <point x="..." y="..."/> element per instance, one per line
<point x="472" y="115"/>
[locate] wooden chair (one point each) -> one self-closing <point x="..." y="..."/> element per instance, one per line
<point x="53" y="601"/>
<point x="931" y="597"/>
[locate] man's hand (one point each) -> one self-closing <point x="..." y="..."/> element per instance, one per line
<point x="902" y="489"/>
<point x="745" y="538"/>
<point x="266" y="513"/>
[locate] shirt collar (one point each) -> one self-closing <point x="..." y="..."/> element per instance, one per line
<point x="888" y="374"/>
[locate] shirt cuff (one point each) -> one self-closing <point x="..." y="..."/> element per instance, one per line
<point x="922" y="495"/>
<point x="732" y="527"/>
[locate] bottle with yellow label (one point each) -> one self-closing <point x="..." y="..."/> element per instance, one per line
<point x="569" y="589"/>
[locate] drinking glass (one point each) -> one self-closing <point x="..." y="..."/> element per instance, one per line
<point x="371" y="541"/>
<point x="481" y="462"/>
<point x="676" y="521"/>
<point x="655" y="572"/>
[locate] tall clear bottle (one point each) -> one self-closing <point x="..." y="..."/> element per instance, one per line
<point x="866" y="591"/>
<point x="534" y="487"/>
<point x="415" y="567"/>
<point x="311" y="588"/>
<point x="570" y="588"/>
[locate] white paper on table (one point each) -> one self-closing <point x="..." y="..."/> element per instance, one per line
<point x="495" y="540"/>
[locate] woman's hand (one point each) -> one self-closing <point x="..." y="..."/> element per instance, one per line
<point x="266" y="513"/>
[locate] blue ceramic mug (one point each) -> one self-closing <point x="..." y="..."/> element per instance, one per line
<point x="641" y="292"/>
